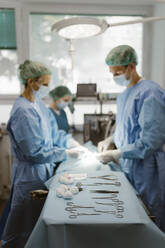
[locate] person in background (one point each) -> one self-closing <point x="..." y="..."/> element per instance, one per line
<point x="62" y="98"/>
<point x="140" y="131"/>
<point x="36" y="147"/>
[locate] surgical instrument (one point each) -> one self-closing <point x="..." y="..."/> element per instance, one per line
<point x="75" y="215"/>
<point x="106" y="177"/>
<point x="73" y="209"/>
<point x="113" y="195"/>
<point x="109" y="212"/>
<point x="73" y="206"/>
<point x="113" y="199"/>
<point x="98" y="184"/>
<point x="104" y="191"/>
<point x="117" y="205"/>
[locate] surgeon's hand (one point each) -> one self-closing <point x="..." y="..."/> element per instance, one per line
<point x="105" y="144"/>
<point x="109" y="156"/>
<point x="76" y="152"/>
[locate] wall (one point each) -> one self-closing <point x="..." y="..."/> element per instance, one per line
<point x="158" y="47"/>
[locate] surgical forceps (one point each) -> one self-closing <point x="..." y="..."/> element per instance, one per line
<point x="119" y="208"/>
<point x="98" y="184"/>
<point x="72" y="207"/>
<point x="113" y="198"/>
<point x="106" y="177"/>
<point x="75" y="215"/>
<point x="109" y="212"/>
<point x="104" y="191"/>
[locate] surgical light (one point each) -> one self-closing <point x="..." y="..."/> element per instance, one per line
<point x="83" y="27"/>
<point x="80" y="27"/>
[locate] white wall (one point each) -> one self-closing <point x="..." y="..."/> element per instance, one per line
<point x="158" y="47"/>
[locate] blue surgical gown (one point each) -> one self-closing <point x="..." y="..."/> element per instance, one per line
<point x="140" y="135"/>
<point x="36" y="147"/>
<point x="61" y="119"/>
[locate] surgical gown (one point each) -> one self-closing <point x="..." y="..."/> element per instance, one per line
<point x="36" y="147"/>
<point x="61" y="119"/>
<point x="140" y="135"/>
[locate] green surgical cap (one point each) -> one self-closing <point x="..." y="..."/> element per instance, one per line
<point x="59" y="92"/>
<point x="121" y="56"/>
<point x="31" y="69"/>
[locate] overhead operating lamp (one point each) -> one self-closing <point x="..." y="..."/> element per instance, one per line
<point x="83" y="27"/>
<point x="80" y="27"/>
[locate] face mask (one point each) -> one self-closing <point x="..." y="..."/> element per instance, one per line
<point x="42" y="92"/>
<point x="62" y="105"/>
<point x="121" y="80"/>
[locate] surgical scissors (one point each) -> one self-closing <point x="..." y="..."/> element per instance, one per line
<point x="106" y="177"/>
<point x="75" y="215"/>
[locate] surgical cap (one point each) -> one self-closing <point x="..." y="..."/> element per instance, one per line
<point x="60" y="92"/>
<point x="121" y="56"/>
<point x="31" y="69"/>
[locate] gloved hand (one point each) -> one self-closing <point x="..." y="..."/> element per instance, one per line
<point x="104" y="145"/>
<point x="75" y="152"/>
<point x="108" y="156"/>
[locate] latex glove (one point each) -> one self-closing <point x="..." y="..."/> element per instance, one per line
<point x="75" y="152"/>
<point x="108" y="156"/>
<point x="104" y="145"/>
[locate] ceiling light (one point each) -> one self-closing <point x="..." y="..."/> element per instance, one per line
<point x="80" y="27"/>
<point x="83" y="27"/>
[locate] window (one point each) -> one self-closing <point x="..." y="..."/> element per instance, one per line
<point x="89" y="54"/>
<point x="9" y="83"/>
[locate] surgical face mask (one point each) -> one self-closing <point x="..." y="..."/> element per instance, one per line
<point x="42" y="92"/>
<point x="121" y="80"/>
<point x="62" y="105"/>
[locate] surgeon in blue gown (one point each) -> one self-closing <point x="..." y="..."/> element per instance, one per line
<point x="140" y="131"/>
<point x="61" y="98"/>
<point x="36" y="147"/>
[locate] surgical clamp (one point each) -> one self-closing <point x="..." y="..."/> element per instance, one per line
<point x="72" y="207"/>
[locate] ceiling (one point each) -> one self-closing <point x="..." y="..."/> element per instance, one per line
<point x="116" y="2"/>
